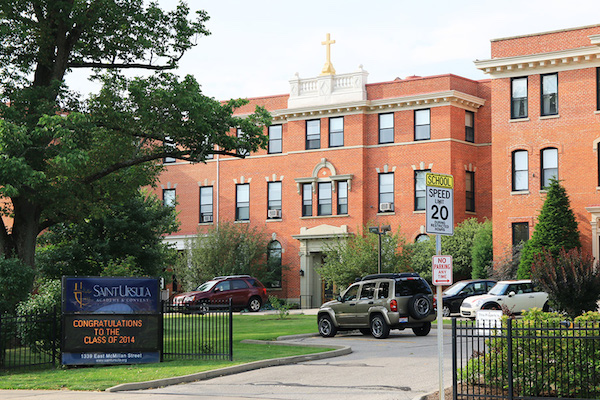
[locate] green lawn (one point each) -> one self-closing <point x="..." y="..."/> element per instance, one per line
<point x="101" y="377"/>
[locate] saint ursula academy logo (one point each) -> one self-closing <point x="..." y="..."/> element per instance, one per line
<point x="78" y="294"/>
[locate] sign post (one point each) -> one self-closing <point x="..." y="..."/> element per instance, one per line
<point x="440" y="221"/>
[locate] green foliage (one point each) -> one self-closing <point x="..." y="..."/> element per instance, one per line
<point x="282" y="306"/>
<point x="126" y="241"/>
<point x="556" y="229"/>
<point x="44" y="303"/>
<point x="551" y="357"/>
<point x="349" y="258"/>
<point x="460" y="246"/>
<point x="16" y="280"/>
<point x="482" y="253"/>
<point x="571" y="279"/>
<point x="226" y="249"/>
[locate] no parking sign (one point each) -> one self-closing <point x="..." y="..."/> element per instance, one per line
<point x="442" y="270"/>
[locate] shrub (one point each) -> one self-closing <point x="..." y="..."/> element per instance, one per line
<point x="571" y="279"/>
<point x="282" y="306"/>
<point x="482" y="253"/>
<point x="506" y="267"/>
<point x="16" y="280"/>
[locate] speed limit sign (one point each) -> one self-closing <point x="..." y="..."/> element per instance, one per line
<point x="439" y="204"/>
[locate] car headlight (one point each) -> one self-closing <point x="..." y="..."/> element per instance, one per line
<point x="478" y="303"/>
<point x="188" y="299"/>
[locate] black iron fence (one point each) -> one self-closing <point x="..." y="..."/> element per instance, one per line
<point x="520" y="359"/>
<point x="29" y="340"/>
<point x="201" y="331"/>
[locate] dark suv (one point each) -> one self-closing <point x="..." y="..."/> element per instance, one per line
<point x="243" y="290"/>
<point x="379" y="303"/>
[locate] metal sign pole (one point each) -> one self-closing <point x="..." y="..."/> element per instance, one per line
<point x="440" y="323"/>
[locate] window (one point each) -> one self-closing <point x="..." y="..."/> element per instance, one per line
<point x="169" y="197"/>
<point x="469" y="126"/>
<point x="169" y="145"/>
<point x="423" y="237"/>
<point x="420" y="189"/>
<point x="313" y="134"/>
<point x="206" y="204"/>
<point x="386" y="128"/>
<point x="351" y="293"/>
<point x="275" y="136"/>
<point x="307" y="200"/>
<point x="518" y="100"/>
<point x="274" y="265"/>
<point x="422" y="125"/>
<point x="367" y="292"/>
<point x="336" y="132"/>
<point x="242" y="202"/>
<point x="520" y="232"/>
<point x="274" y="200"/>
<point x="324" y="195"/>
<point x="549" y="166"/>
<point x="241" y="151"/>
<point x="342" y="198"/>
<point x="598" y="88"/>
<point x="519" y="170"/>
<point x="549" y="94"/>
<point x="470" y="191"/>
<point x="386" y="192"/>
<point x="238" y="284"/>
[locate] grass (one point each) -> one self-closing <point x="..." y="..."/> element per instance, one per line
<point x="265" y="327"/>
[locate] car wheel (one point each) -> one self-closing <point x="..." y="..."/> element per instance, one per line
<point x="203" y="308"/>
<point x="379" y="328"/>
<point x="419" y="306"/>
<point x="326" y="326"/>
<point x="254" y="304"/>
<point x="546" y="307"/>
<point x="422" y="330"/>
<point x="365" y="331"/>
<point x="446" y="311"/>
<point x="491" y="306"/>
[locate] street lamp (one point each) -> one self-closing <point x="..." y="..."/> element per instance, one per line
<point x="384" y="229"/>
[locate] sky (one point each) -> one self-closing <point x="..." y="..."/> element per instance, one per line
<point x="256" y="47"/>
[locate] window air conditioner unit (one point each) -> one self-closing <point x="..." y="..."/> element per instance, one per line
<point x="385" y="206"/>
<point x="207" y="218"/>
<point x="274" y="213"/>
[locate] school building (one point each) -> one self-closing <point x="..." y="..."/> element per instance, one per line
<point x="344" y="153"/>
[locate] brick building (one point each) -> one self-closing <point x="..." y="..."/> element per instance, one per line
<point x="343" y="154"/>
<point x="546" y="108"/>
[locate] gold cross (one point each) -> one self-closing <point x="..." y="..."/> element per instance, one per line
<point x="328" y="68"/>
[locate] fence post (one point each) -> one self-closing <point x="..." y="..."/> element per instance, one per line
<point x="454" y="366"/>
<point x="510" y="360"/>
<point x="230" y="331"/>
<point x="54" y="331"/>
<point x="161" y="329"/>
<point x="2" y="353"/>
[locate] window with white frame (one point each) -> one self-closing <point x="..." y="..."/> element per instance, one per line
<point x="307" y="200"/>
<point x="169" y="197"/>
<point x="422" y="124"/>
<point x="275" y="139"/>
<point x="274" y="200"/>
<point x="518" y="99"/>
<point x="420" y="189"/>
<point x="520" y="170"/>
<point x="386" y="128"/>
<point x="549" y="94"/>
<point x="549" y="162"/>
<point x="324" y="206"/>
<point x="206" y="204"/>
<point x="313" y="134"/>
<point x="242" y="202"/>
<point x="469" y="126"/>
<point x="386" y="192"/>
<point x="342" y="198"/>
<point x="336" y="132"/>
<point x="242" y="151"/>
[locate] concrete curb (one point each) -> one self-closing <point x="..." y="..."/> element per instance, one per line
<point x="424" y="396"/>
<point x="339" y="351"/>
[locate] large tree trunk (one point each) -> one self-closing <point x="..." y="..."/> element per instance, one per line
<point x="25" y="230"/>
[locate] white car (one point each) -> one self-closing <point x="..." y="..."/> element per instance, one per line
<point x="517" y="296"/>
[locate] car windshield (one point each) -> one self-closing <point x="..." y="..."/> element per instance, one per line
<point x="206" y="286"/>
<point x="455" y="289"/>
<point x="498" y="289"/>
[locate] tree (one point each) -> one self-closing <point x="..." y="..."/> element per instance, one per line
<point x="556" y="229"/>
<point x="129" y="236"/>
<point x="226" y="249"/>
<point x="63" y="159"/>
<point x="482" y="253"/>
<point x="349" y="258"/>
<point x="571" y="279"/>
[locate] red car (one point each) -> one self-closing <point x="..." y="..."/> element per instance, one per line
<point x="243" y="290"/>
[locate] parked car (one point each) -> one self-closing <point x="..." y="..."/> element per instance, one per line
<point x="517" y="296"/>
<point x="379" y="303"/>
<point x="243" y="290"/>
<point x="453" y="296"/>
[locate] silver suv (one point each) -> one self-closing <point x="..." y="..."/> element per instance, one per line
<point x="379" y="303"/>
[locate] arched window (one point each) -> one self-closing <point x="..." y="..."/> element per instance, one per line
<point x="423" y="237"/>
<point x="273" y="265"/>
<point x="520" y="168"/>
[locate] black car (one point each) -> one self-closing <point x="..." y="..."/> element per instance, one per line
<point x="453" y="297"/>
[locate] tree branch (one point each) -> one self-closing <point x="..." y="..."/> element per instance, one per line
<point x="119" y="65"/>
